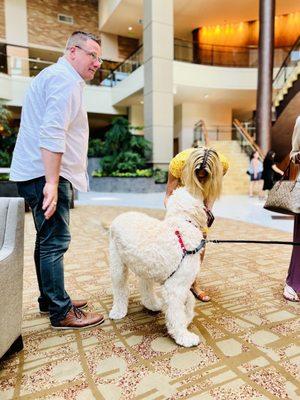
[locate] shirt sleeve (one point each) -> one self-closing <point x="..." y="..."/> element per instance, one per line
<point x="63" y="99"/>
<point x="177" y="164"/>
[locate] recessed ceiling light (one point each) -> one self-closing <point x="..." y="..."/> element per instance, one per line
<point x="206" y="96"/>
<point x="130" y="28"/>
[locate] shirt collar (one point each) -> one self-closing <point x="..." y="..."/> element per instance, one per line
<point x="63" y="61"/>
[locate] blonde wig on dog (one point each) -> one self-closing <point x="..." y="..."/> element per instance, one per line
<point x="209" y="187"/>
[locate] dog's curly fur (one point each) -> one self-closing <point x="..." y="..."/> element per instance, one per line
<point x="150" y="248"/>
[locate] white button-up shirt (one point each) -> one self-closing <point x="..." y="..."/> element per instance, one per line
<point x="53" y="118"/>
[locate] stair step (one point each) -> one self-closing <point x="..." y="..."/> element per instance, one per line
<point x="236" y="181"/>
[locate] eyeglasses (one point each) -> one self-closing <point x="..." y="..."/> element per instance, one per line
<point x="90" y="53"/>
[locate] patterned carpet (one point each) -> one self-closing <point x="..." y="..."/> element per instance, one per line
<point x="250" y="335"/>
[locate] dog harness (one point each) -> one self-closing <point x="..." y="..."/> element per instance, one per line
<point x="203" y="243"/>
<point x="186" y="252"/>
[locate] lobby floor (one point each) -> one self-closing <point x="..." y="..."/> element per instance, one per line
<point x="250" y="334"/>
<point x="239" y="208"/>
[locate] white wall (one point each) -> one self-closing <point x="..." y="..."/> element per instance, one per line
<point x="96" y="99"/>
<point x="110" y="47"/>
<point x="130" y="85"/>
<point x="5" y="87"/>
<point x="106" y="8"/>
<point x="16" y="22"/>
<point x="206" y="76"/>
<point x="195" y="76"/>
<point x="191" y="113"/>
<point x="99" y="100"/>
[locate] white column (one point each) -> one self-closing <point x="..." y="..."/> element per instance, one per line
<point x="16" y="36"/>
<point x="158" y="78"/>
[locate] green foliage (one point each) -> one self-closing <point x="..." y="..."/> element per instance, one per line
<point x="129" y="161"/>
<point x="96" y="147"/>
<point x="160" y="176"/>
<point x="148" y="172"/>
<point x="124" y="152"/>
<point x="7" y="137"/>
<point x="145" y="173"/>
<point x="141" y="146"/>
<point x="4" y="177"/>
<point x="5" y="158"/>
<point x="118" y="137"/>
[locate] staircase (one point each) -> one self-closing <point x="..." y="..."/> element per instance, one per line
<point x="236" y="181"/>
<point x="286" y="101"/>
<point x="292" y="76"/>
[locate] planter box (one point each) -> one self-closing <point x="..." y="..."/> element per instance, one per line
<point x="126" y="185"/>
<point x="8" y="189"/>
<point x="93" y="164"/>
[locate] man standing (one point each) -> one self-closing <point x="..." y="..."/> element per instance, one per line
<point x="50" y="156"/>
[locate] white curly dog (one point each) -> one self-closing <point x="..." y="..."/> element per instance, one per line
<point x="154" y="250"/>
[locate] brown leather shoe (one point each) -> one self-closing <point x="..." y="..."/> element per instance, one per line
<point x="76" y="303"/>
<point x="77" y="319"/>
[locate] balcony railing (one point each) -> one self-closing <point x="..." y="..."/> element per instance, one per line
<point x="219" y="55"/>
<point x="125" y="68"/>
<point x="192" y="52"/>
<point x="30" y="67"/>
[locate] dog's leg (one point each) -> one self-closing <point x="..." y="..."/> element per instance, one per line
<point x="119" y="276"/>
<point x="149" y="298"/>
<point x="178" y="303"/>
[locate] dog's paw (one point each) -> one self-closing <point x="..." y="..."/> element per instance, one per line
<point x="188" y="339"/>
<point x="116" y="313"/>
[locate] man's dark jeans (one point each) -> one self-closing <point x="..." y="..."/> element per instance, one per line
<point x="52" y="241"/>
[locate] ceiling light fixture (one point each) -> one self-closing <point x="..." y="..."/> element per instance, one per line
<point x="130" y="28"/>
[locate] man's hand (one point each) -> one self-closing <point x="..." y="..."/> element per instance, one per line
<point x="50" y="192"/>
<point x="52" y="162"/>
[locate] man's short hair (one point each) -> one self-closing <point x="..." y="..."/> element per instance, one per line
<point x="79" y="37"/>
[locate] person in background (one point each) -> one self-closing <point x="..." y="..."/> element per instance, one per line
<point x="200" y="170"/>
<point x="49" y="158"/>
<point x="271" y="173"/>
<point x="291" y="290"/>
<point x="255" y="171"/>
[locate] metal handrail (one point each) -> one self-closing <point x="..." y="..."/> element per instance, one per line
<point x="201" y="124"/>
<point x="247" y="137"/>
<point x="284" y="64"/>
<point x="128" y="58"/>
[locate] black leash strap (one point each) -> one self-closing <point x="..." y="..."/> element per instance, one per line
<point x="216" y="241"/>
<point x="254" y="241"/>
